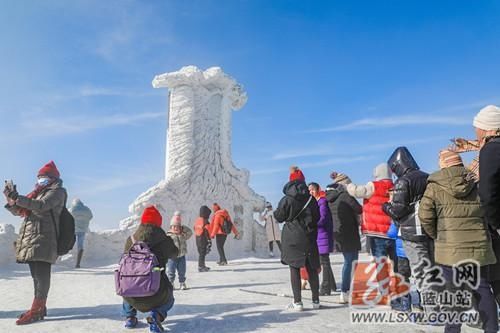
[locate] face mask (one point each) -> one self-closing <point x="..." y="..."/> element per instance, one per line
<point x="43" y="181"/>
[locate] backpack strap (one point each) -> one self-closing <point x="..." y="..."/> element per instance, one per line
<point x="303" y="208"/>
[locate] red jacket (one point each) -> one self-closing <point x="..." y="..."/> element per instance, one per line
<point x="217" y="221"/>
<point x="375" y="221"/>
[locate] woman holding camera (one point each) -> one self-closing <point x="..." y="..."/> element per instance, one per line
<point x="37" y="242"/>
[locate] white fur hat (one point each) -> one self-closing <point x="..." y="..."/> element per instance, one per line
<point x="382" y="171"/>
<point x="488" y="118"/>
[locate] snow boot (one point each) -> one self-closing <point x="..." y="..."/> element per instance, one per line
<point x="79" y="258"/>
<point x="131" y="322"/>
<point x="154" y="322"/>
<point x="37" y="312"/>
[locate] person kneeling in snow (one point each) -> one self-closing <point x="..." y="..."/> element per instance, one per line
<point x="150" y="232"/>
<point x="179" y="234"/>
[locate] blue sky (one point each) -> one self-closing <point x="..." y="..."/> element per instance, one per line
<point x="332" y="86"/>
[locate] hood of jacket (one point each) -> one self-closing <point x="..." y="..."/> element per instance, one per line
<point x="297" y="189"/>
<point x="401" y="162"/>
<point x="150" y="234"/>
<point x="205" y="212"/>
<point x="382" y="171"/>
<point x="333" y="191"/>
<point x="453" y="180"/>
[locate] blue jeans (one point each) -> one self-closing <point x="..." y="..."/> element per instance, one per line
<point x="349" y="257"/>
<point x="178" y="264"/>
<point x="129" y="311"/>
<point x="381" y="247"/>
<point x="80" y="240"/>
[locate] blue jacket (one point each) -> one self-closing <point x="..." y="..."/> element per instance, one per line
<point x="393" y="233"/>
<point x="82" y="215"/>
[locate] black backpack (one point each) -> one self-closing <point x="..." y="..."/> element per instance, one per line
<point x="66" y="235"/>
<point x="227" y="226"/>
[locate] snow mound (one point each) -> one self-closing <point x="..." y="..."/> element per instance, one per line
<point x="7" y="238"/>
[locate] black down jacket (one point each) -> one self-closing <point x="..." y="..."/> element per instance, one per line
<point x="408" y="190"/>
<point x="299" y="234"/>
<point x="345" y="213"/>
<point x="489" y="194"/>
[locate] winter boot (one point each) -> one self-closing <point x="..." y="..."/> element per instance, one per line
<point x="131" y="322"/>
<point x="154" y="322"/>
<point x="79" y="258"/>
<point x="183" y="286"/>
<point x="36" y="313"/>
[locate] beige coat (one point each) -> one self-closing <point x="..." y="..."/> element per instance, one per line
<point x="272" y="226"/>
<point x="37" y="239"/>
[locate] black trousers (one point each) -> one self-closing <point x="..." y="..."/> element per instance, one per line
<point x="201" y="244"/>
<point x="328" y="284"/>
<point x="221" y="240"/>
<point x="296" y="282"/>
<point x="495" y="286"/>
<point x="404" y="268"/>
<point x="271" y="245"/>
<point x="40" y="272"/>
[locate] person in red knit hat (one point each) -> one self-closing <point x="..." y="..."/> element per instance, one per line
<point x="157" y="306"/>
<point x="300" y="213"/>
<point x="296" y="174"/>
<point x="37" y="241"/>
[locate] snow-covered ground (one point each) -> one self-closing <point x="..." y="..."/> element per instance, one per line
<point x="234" y="298"/>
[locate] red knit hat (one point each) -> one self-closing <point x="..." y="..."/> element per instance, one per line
<point x="50" y="170"/>
<point x="151" y="215"/>
<point x="297" y="175"/>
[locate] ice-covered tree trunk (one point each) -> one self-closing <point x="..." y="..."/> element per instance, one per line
<point x="199" y="167"/>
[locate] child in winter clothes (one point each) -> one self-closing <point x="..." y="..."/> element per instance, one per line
<point x="203" y="241"/>
<point x="179" y="234"/>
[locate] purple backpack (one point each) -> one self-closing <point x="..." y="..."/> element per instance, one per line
<point x="139" y="273"/>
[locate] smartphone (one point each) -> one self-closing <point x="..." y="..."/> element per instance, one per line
<point x="9" y="184"/>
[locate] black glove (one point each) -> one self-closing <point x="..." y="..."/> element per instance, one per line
<point x="385" y="207"/>
<point x="13" y="194"/>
